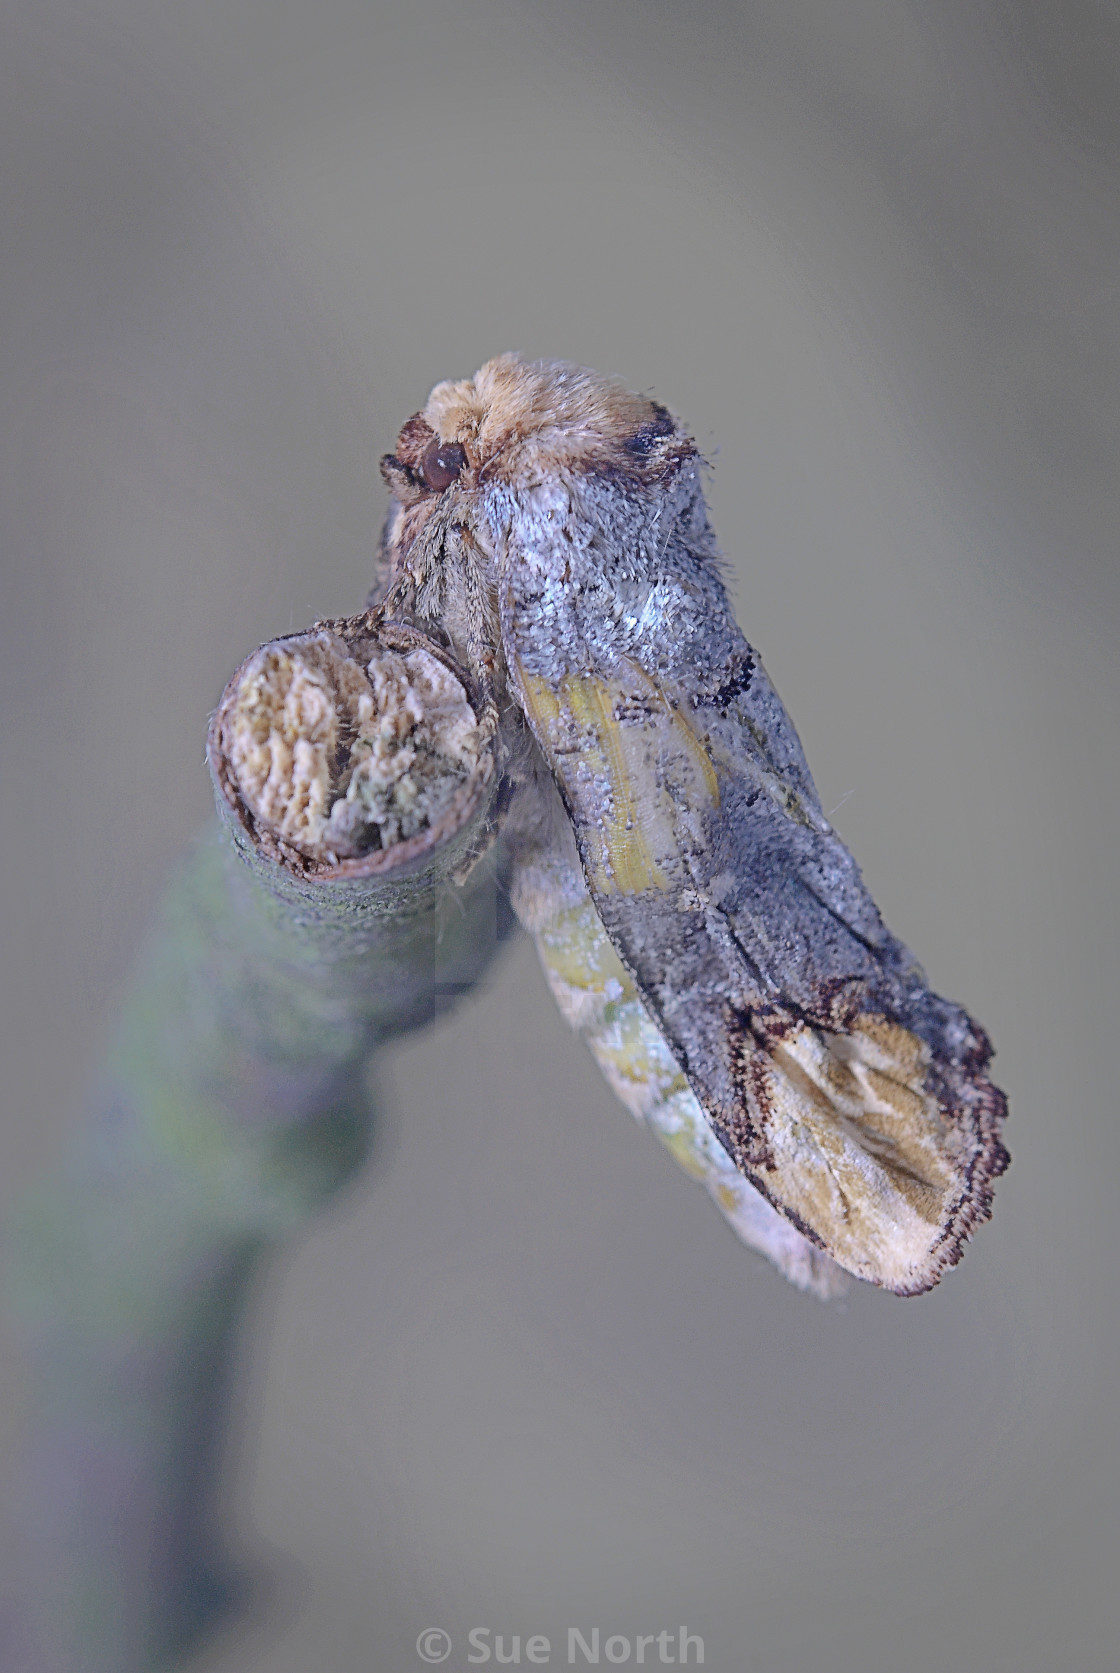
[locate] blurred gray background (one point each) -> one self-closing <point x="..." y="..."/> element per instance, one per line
<point x="869" y="251"/>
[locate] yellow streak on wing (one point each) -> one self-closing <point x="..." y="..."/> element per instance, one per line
<point x="633" y="842"/>
<point x="682" y="734"/>
<point x="543" y="701"/>
<point x="627" y="861"/>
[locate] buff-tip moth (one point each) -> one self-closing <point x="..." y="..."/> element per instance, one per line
<point x="698" y="918"/>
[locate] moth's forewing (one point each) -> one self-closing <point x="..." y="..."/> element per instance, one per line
<point x="850" y="1095"/>
<point x="599" y="998"/>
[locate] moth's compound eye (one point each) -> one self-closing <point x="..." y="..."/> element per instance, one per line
<point x="441" y="464"/>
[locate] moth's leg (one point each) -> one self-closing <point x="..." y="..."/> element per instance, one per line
<point x="430" y="588"/>
<point x="419" y="588"/>
<point x="398" y="599"/>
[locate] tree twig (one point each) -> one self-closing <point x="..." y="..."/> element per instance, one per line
<point x="233" y="1103"/>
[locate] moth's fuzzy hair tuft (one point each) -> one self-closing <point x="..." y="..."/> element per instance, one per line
<point x="517" y="415"/>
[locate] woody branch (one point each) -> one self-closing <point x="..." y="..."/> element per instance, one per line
<point x="347" y="891"/>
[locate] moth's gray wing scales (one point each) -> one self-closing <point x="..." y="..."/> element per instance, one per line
<point x="850" y="1095"/>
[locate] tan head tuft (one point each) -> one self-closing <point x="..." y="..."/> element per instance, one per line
<point x="547" y="414"/>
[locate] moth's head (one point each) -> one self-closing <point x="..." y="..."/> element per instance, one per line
<point x="517" y="421"/>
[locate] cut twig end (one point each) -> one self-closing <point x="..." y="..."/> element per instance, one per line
<point x="351" y="750"/>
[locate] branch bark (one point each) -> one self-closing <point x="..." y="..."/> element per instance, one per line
<point x="233" y="1103"/>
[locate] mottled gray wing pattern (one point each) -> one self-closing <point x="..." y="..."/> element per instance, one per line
<point x="850" y="1095"/>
